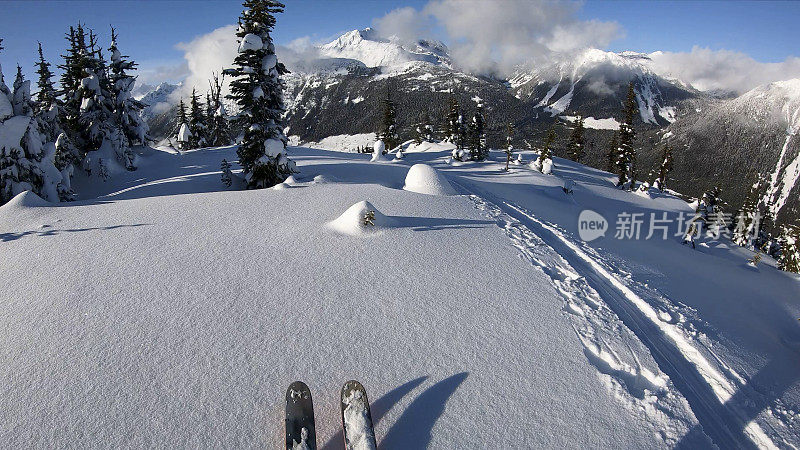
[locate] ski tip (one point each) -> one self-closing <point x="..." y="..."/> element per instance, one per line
<point x="298" y="390"/>
<point x="353" y="385"/>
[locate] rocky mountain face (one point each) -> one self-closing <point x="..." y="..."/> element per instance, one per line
<point x="728" y="143"/>
<point x="157" y="98"/>
<point x="718" y="139"/>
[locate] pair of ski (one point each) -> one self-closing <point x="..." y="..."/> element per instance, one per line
<point x="356" y="418"/>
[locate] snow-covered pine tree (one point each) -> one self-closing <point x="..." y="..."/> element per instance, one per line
<point x="575" y="143"/>
<point x="127" y="110"/>
<point x="664" y="169"/>
<point x="96" y="107"/>
<point x="258" y="90"/>
<point x="47" y="111"/>
<point x="388" y="127"/>
<point x="626" y="157"/>
<point x="453" y="134"/>
<point x="219" y="132"/>
<point x="789" y="259"/>
<point x="709" y="209"/>
<point x="509" y="151"/>
<point x="25" y="164"/>
<point x="75" y="63"/>
<point x="419" y="130"/>
<point x="544" y="163"/>
<point x="197" y="122"/>
<point x="478" y="151"/>
<point x="429" y="134"/>
<point x="87" y="113"/>
<point x="611" y="154"/>
<point x="182" y="133"/>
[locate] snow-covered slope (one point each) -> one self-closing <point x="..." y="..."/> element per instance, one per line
<point x="169" y="311"/>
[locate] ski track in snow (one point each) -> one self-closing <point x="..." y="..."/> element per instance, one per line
<point x="603" y="336"/>
<point x="701" y="383"/>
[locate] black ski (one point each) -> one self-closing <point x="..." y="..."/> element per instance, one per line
<point x="300" y="432"/>
<point x="356" y="418"/>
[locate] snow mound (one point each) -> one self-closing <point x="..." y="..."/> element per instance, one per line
<point x="26" y="199"/>
<point x="323" y="179"/>
<point x="424" y="179"/>
<point x="360" y="219"/>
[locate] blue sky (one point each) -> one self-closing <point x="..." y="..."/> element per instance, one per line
<point x="767" y="31"/>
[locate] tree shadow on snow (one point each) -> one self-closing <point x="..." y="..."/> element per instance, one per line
<point x="435" y="223"/>
<point x="378" y="408"/>
<point x="47" y="231"/>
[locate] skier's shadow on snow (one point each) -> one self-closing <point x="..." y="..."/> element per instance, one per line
<point x="413" y="428"/>
<point x="760" y="392"/>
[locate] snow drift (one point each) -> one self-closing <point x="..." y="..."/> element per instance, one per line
<point x="424" y="179"/>
<point x="360" y="219"/>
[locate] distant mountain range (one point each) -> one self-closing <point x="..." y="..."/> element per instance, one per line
<point x="719" y="138"/>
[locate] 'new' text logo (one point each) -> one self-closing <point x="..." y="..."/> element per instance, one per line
<point x="591" y="225"/>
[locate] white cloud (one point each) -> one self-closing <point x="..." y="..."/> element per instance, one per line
<point x="154" y="74"/>
<point x="406" y="24"/>
<point x="207" y="54"/>
<point x="708" y="69"/>
<point x="487" y="36"/>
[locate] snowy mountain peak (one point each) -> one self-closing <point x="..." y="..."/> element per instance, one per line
<point x="369" y="48"/>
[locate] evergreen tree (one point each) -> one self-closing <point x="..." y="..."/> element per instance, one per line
<point x="73" y="72"/>
<point x="509" y="151"/>
<point x="611" y="154"/>
<point x="182" y="127"/>
<point x="478" y="151"/>
<point x="181" y="114"/>
<point x="127" y="110"/>
<point x="197" y="122"/>
<point x="428" y="133"/>
<point x="258" y="90"/>
<point x="544" y="163"/>
<point x="47" y="97"/>
<point x="388" y="128"/>
<point x="420" y="130"/>
<point x="453" y="134"/>
<point x="626" y="156"/>
<point x="575" y="144"/>
<point x="101" y="136"/>
<point x="789" y="259"/>
<point x="664" y="169"/>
